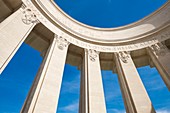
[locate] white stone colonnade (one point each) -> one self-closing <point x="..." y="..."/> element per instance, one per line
<point x="44" y="94"/>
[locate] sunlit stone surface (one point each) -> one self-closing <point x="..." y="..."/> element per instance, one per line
<point x="36" y="22"/>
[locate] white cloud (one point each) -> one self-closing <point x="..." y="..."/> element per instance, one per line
<point x="115" y="111"/>
<point x="122" y="111"/>
<point x="163" y="111"/>
<point x="72" y="107"/>
<point x="109" y="1"/>
<point x="156" y="87"/>
<point x="154" y="82"/>
<point x="71" y="86"/>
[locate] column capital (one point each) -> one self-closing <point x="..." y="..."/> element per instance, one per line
<point x="93" y="54"/>
<point x="61" y="42"/>
<point x="159" y="49"/>
<point x="29" y="16"/>
<point x="124" y="56"/>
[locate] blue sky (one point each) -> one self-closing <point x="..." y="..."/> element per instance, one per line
<point x="17" y="78"/>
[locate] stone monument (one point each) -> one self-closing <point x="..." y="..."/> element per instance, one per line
<point x="61" y="39"/>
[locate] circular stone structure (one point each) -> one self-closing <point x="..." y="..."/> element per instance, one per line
<point x="127" y="38"/>
<point x="61" y="39"/>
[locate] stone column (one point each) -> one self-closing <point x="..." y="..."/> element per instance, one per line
<point x="160" y="56"/>
<point x="135" y="97"/>
<point x="13" y="32"/>
<point x="91" y="95"/>
<point x="44" y="94"/>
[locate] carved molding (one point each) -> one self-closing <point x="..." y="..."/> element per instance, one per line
<point x="29" y="16"/>
<point x="110" y="47"/>
<point x="116" y="48"/>
<point x="160" y="49"/>
<point x="98" y="35"/>
<point x="124" y="56"/>
<point x="93" y="54"/>
<point x="61" y="42"/>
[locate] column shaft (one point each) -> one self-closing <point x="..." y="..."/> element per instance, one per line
<point x="13" y="32"/>
<point x="92" y="95"/>
<point x="160" y="56"/>
<point x="44" y="94"/>
<point x="134" y="94"/>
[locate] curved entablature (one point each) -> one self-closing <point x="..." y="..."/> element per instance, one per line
<point x="131" y="37"/>
<point x="148" y="34"/>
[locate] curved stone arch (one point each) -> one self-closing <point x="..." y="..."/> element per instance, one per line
<point x="42" y="97"/>
<point x="103" y="39"/>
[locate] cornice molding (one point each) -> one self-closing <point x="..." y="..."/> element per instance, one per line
<point x="149" y="31"/>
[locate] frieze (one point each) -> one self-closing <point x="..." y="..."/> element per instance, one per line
<point x="93" y="34"/>
<point x="133" y="46"/>
<point x="138" y="44"/>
